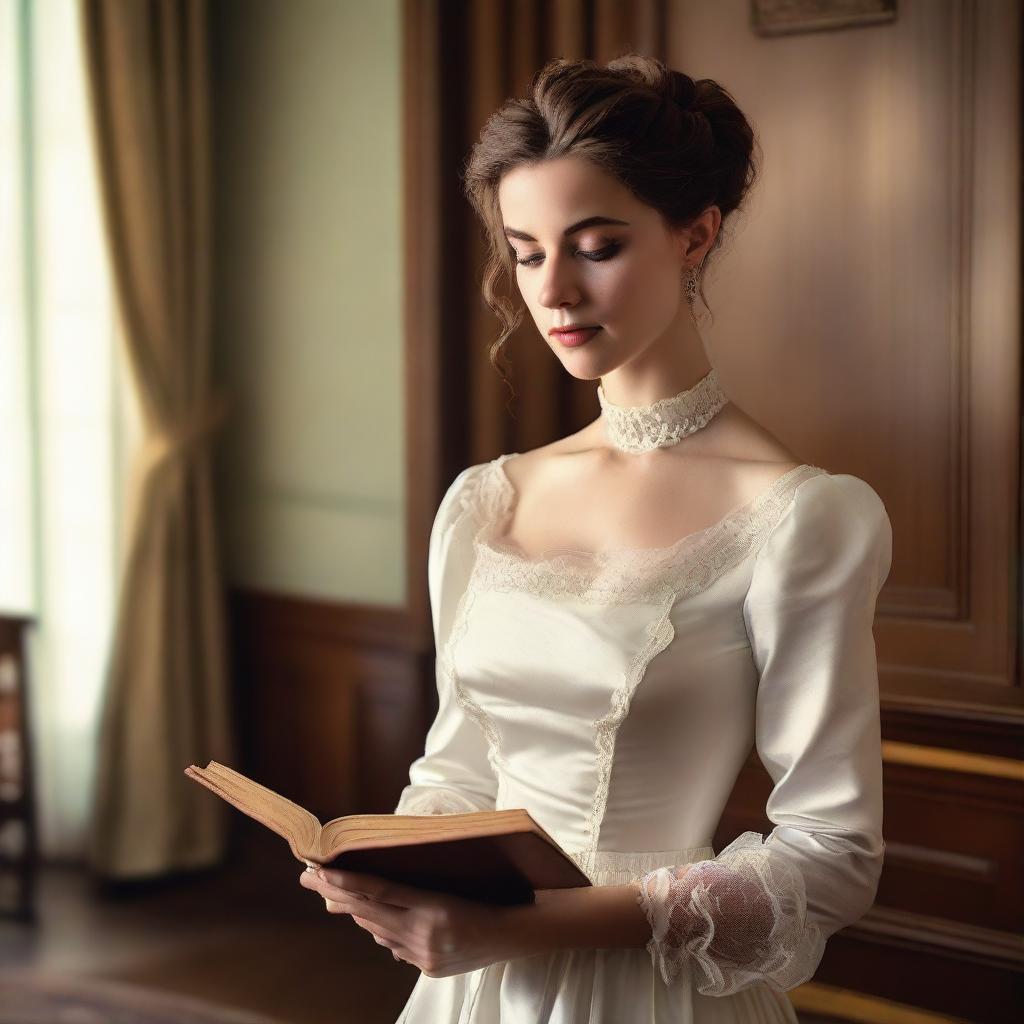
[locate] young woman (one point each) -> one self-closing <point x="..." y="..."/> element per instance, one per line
<point x="621" y="614"/>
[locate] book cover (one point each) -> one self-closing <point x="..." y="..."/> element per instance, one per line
<point x="499" y="857"/>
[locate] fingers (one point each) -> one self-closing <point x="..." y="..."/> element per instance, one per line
<point x="377" y="929"/>
<point x="380" y="916"/>
<point x="380" y="911"/>
<point x="383" y="935"/>
<point x="373" y="917"/>
<point x="386" y="939"/>
<point x="337" y="901"/>
<point x="388" y="924"/>
<point x="382" y="890"/>
<point x="311" y="881"/>
<point x="344" y="906"/>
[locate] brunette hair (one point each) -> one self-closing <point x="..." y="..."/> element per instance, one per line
<point x="677" y="144"/>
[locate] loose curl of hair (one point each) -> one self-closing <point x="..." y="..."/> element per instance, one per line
<point x="677" y="144"/>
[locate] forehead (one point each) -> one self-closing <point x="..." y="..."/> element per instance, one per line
<point x="553" y="193"/>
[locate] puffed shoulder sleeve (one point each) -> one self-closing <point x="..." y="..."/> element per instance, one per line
<point x="453" y="775"/>
<point x="762" y="910"/>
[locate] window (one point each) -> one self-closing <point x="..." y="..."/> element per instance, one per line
<point x="68" y="425"/>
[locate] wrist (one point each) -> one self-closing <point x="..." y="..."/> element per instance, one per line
<point x="591" y="917"/>
<point x="524" y="928"/>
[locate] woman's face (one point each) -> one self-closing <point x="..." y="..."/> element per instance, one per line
<point x="623" y="276"/>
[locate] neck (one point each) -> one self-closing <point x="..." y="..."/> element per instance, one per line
<point x="675" y="362"/>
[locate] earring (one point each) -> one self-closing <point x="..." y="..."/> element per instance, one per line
<point x="690" y="280"/>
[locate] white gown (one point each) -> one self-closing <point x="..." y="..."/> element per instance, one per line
<point x="616" y="696"/>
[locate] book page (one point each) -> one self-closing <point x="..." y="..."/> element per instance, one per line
<point x="278" y="813"/>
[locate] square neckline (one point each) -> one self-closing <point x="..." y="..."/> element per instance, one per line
<point x="508" y="498"/>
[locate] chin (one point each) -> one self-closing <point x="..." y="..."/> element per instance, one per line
<point x="584" y="374"/>
<point x="592" y="366"/>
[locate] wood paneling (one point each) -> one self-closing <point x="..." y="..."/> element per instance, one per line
<point x="330" y="700"/>
<point x="945" y="929"/>
<point x="880" y="277"/>
<point x="877" y="280"/>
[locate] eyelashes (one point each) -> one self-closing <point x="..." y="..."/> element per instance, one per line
<point x="594" y="256"/>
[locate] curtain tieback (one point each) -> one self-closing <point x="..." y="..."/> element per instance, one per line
<point x="193" y="430"/>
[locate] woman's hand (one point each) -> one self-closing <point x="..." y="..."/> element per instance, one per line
<point x="440" y="934"/>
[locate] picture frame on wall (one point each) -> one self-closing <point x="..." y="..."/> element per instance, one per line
<point x="783" y="17"/>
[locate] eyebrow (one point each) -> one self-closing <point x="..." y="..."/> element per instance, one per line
<point x="570" y="230"/>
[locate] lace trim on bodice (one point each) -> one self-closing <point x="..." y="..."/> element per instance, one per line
<point x="649" y="575"/>
<point x="626" y="575"/>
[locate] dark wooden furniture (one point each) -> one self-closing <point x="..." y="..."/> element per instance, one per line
<point x="17" y="810"/>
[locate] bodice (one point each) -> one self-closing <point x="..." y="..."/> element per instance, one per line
<point x="608" y="683"/>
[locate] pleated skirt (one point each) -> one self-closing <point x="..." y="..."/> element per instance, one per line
<point x="591" y="986"/>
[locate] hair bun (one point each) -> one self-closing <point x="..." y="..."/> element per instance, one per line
<point x="683" y="90"/>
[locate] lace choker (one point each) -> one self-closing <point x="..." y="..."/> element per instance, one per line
<point x="642" y="428"/>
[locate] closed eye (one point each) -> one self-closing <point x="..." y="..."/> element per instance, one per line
<point x="595" y="256"/>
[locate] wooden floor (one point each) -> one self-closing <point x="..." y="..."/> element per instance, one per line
<point x="246" y="936"/>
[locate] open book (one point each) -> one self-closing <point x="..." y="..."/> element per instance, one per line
<point x="499" y="857"/>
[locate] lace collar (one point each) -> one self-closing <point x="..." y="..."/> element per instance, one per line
<point x="691" y="564"/>
<point x="642" y="428"/>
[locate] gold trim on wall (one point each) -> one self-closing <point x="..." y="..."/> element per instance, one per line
<point x="844" y="1004"/>
<point x="944" y="759"/>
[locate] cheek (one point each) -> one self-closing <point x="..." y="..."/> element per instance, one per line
<point x="642" y="295"/>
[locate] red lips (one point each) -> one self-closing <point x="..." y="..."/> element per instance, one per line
<point x="572" y="336"/>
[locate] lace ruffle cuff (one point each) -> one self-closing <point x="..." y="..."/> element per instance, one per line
<point x="434" y="800"/>
<point x="738" y="919"/>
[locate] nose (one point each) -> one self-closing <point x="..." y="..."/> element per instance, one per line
<point x="559" y="287"/>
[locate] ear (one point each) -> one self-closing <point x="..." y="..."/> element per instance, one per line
<point x="698" y="237"/>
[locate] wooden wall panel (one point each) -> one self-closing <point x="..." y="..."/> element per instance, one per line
<point x="876" y="280"/>
<point x="330" y="700"/>
<point x="945" y="929"/>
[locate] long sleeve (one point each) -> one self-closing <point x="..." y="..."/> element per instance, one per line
<point x="453" y="775"/>
<point x="761" y="910"/>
